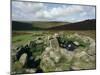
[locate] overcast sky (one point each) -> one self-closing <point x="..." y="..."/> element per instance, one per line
<point x="31" y="11"/>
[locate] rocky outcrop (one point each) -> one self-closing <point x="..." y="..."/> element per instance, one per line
<point x="55" y="58"/>
<point x="70" y="52"/>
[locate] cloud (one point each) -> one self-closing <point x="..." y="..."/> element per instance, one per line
<point x="83" y="14"/>
<point x="27" y="6"/>
<point x="31" y="11"/>
<point x="26" y="10"/>
<point x="57" y="12"/>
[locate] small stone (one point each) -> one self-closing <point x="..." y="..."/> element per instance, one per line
<point x="54" y="43"/>
<point x="30" y="70"/>
<point x="23" y="59"/>
<point x="76" y="43"/>
<point x="92" y="48"/>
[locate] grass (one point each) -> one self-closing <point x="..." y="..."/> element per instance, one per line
<point x="48" y="24"/>
<point x="23" y="37"/>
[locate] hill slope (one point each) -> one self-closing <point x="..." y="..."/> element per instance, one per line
<point x="21" y="26"/>
<point x="83" y="25"/>
<point x="36" y="25"/>
<point x="47" y="24"/>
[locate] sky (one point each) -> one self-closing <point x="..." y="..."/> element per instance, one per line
<point x="33" y="11"/>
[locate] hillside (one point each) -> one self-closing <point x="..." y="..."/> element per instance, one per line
<point x="35" y="25"/>
<point x="83" y="25"/>
<point x="21" y="26"/>
<point x="48" y="24"/>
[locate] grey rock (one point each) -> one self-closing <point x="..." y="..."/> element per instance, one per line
<point x="23" y="59"/>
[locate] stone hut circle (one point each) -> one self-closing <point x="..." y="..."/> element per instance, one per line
<point x="59" y="53"/>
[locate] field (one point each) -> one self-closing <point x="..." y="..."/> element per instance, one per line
<point x="53" y="46"/>
<point x="23" y="37"/>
